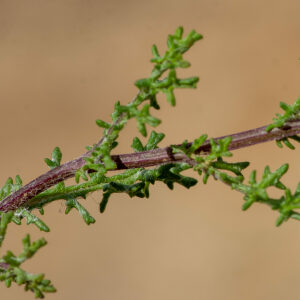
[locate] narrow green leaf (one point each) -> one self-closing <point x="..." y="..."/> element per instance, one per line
<point x="137" y="145"/>
<point x="103" y="124"/>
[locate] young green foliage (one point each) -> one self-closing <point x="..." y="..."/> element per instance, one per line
<point x="6" y="218"/>
<point x="154" y="139"/>
<point x="287" y="205"/>
<point x="168" y="174"/>
<point x="73" y="203"/>
<point x="213" y="165"/>
<point x="291" y="112"/>
<point x="136" y="182"/>
<point x="10" y="270"/>
<point x="10" y="187"/>
<point x="30" y="219"/>
<point x="55" y="158"/>
<point x="98" y="161"/>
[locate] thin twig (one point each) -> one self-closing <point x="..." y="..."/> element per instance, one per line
<point x="142" y="159"/>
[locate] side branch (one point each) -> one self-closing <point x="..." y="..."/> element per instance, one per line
<point x="142" y="159"/>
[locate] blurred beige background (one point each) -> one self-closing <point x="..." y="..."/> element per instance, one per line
<point x="63" y="64"/>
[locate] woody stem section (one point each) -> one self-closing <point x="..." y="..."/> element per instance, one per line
<point x="142" y="159"/>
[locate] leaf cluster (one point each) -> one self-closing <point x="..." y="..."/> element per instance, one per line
<point x="255" y="191"/>
<point x="291" y="113"/>
<point x="10" y="270"/>
<point x="134" y="183"/>
<point x="93" y="176"/>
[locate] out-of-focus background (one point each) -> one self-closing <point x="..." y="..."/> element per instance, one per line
<point x="63" y="64"/>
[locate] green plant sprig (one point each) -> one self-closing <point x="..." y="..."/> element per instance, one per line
<point x="214" y="164"/>
<point x="98" y="161"/>
<point x="291" y="112"/>
<point x="10" y="270"/>
<point x="206" y="157"/>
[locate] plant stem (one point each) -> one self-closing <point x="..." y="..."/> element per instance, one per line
<point x="4" y="266"/>
<point x="142" y="159"/>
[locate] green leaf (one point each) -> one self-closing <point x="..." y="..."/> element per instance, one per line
<point x="32" y="219"/>
<point x="155" y="51"/>
<point x="154" y="139"/>
<point x="10" y="270"/>
<point x="292" y="112"/>
<point x="170" y="96"/>
<point x="73" y="203"/>
<point x="137" y="145"/>
<point x="197" y="143"/>
<point x="103" y="124"/>
<point x="55" y="159"/>
<point x="9" y="187"/>
<point x="5" y="219"/>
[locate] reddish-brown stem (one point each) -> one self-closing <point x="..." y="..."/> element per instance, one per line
<point x="4" y="266"/>
<point x="141" y="159"/>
